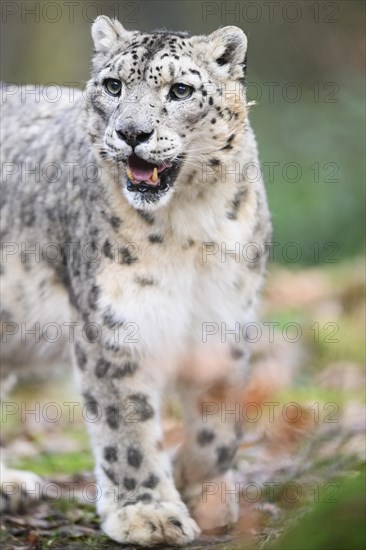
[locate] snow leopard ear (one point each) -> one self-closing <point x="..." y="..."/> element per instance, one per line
<point x="108" y="33"/>
<point x="228" y="47"/>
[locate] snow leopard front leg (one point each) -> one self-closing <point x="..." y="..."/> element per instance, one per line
<point x="137" y="500"/>
<point x="213" y="432"/>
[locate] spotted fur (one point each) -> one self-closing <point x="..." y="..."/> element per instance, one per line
<point x="138" y="273"/>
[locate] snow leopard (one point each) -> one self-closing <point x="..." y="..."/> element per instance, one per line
<point x="134" y="219"/>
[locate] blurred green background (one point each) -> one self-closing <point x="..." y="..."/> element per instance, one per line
<point x="305" y="71"/>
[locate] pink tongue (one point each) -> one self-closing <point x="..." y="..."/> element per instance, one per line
<point x="142" y="170"/>
<point x="141" y="175"/>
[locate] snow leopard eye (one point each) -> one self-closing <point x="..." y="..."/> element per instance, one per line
<point x="180" y="91"/>
<point x="113" y="86"/>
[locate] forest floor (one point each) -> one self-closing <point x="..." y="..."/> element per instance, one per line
<point x="299" y="471"/>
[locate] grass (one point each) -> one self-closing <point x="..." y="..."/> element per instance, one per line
<point x="337" y="525"/>
<point x="46" y="464"/>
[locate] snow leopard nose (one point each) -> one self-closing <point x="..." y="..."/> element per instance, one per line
<point x="132" y="137"/>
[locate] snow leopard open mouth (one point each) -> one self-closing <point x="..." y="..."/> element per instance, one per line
<point x="150" y="179"/>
